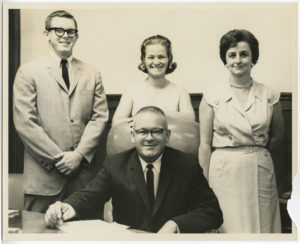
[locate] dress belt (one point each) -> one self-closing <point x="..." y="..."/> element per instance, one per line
<point x="246" y="149"/>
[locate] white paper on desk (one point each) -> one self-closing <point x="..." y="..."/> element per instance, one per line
<point x="93" y="226"/>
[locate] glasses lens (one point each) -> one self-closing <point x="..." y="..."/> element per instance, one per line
<point x="142" y="133"/>
<point x="154" y="132"/>
<point x="59" y="31"/>
<point x="157" y="132"/>
<point x="71" y="32"/>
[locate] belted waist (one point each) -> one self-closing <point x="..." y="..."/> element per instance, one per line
<point x="246" y="149"/>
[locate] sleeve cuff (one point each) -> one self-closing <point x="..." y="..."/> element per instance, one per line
<point x="83" y="157"/>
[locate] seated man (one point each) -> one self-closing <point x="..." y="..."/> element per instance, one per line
<point x="153" y="187"/>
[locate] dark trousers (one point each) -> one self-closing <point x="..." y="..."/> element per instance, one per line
<point x="40" y="204"/>
<point x="37" y="203"/>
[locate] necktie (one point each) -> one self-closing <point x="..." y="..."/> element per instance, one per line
<point x="150" y="185"/>
<point x="65" y="73"/>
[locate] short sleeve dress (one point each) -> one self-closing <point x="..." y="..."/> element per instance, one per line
<point x="166" y="98"/>
<point x="241" y="171"/>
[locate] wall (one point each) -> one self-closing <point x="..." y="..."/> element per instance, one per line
<point x="110" y="36"/>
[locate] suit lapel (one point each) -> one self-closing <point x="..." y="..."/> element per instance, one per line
<point x="165" y="176"/>
<point x="54" y="71"/>
<point x="139" y="180"/>
<point x="76" y="74"/>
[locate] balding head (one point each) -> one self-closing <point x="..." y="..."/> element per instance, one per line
<point x="150" y="133"/>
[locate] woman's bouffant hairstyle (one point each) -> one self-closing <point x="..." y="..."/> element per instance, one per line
<point x="231" y="39"/>
<point x="163" y="41"/>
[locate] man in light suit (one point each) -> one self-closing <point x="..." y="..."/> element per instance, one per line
<point x="60" y="112"/>
<point x="153" y="187"/>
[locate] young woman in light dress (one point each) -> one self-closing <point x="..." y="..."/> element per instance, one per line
<point x="241" y="120"/>
<point x="156" y="90"/>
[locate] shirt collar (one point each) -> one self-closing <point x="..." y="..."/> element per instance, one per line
<point x="227" y="93"/>
<point x="57" y="59"/>
<point x="156" y="164"/>
<point x="255" y="90"/>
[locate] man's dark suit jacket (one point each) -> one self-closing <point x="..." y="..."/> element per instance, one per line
<point x="183" y="194"/>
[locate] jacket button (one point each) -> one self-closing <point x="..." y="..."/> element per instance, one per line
<point x="72" y="148"/>
<point x="72" y="121"/>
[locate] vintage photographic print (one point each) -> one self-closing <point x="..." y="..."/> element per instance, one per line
<point x="149" y="121"/>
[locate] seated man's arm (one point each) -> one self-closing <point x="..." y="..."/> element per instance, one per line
<point x="85" y="202"/>
<point x="95" y="194"/>
<point x="204" y="211"/>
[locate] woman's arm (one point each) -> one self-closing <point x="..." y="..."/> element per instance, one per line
<point x="123" y="110"/>
<point x="276" y="127"/>
<point x="206" y="116"/>
<point x="185" y="105"/>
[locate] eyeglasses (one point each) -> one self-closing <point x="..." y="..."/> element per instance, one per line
<point x="155" y="133"/>
<point x="60" y="32"/>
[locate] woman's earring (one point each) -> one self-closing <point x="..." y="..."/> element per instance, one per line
<point x="143" y="66"/>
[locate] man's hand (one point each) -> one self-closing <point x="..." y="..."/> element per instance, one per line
<point x="68" y="162"/>
<point x="169" y="227"/>
<point x="58" y="212"/>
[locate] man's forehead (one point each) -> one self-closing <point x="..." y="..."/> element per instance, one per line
<point x="148" y="114"/>
<point x="149" y="118"/>
<point x="62" y="21"/>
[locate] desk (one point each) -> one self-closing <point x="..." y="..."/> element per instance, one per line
<point x="29" y="222"/>
<point x="21" y="221"/>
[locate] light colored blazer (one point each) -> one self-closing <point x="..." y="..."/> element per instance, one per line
<point x="50" y="119"/>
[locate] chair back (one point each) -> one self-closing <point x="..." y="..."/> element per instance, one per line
<point x="185" y="136"/>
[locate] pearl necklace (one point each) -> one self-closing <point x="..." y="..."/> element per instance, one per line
<point x="241" y="86"/>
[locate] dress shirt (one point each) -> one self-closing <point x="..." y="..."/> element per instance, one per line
<point x="247" y="126"/>
<point x="156" y="170"/>
<point x="57" y="60"/>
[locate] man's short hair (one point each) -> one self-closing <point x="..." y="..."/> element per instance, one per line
<point x="151" y="109"/>
<point x="59" y="13"/>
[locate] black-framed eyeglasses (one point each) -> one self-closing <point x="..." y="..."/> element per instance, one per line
<point x="61" y="31"/>
<point x="155" y="132"/>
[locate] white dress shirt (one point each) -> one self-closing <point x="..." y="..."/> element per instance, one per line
<point x="156" y="171"/>
<point x="58" y="61"/>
